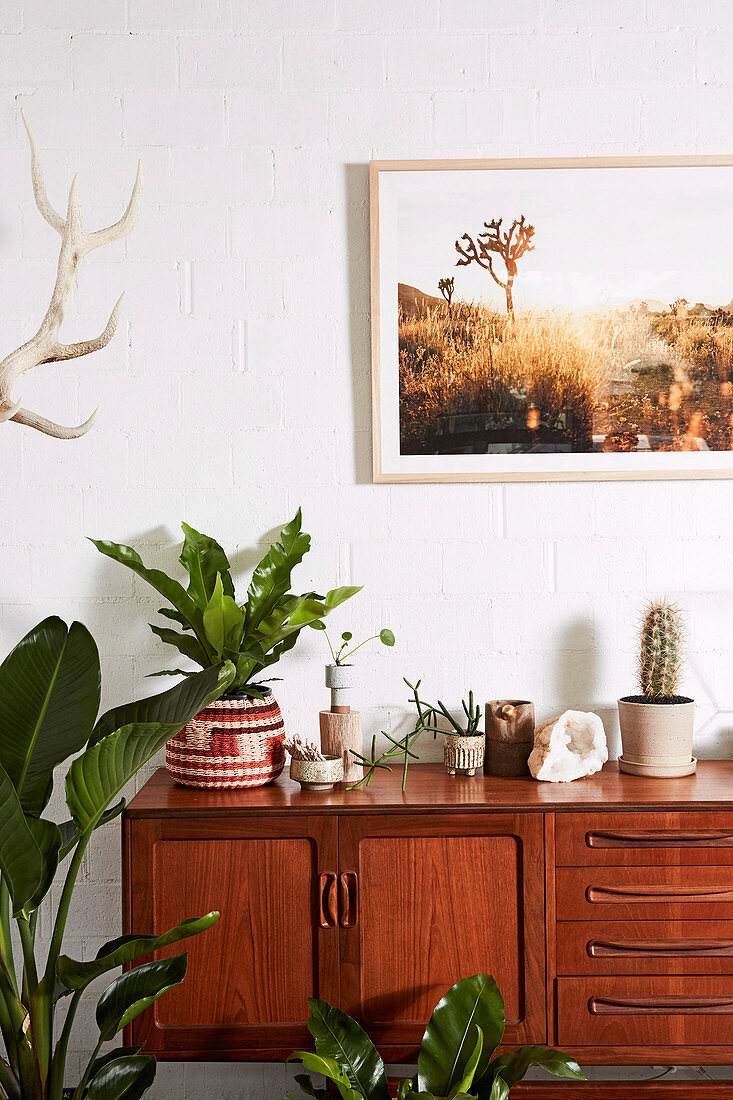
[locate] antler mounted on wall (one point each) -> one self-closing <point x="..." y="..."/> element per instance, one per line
<point x="45" y="346"/>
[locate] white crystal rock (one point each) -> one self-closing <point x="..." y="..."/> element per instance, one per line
<point x="569" y="747"/>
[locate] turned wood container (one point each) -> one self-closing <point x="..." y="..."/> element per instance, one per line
<point x="339" y="734"/>
<point x="509" y="736"/>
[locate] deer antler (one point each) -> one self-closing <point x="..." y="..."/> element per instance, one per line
<point x="45" y="346"/>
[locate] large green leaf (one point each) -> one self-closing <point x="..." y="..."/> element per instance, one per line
<point x="203" y="558"/>
<point x="171" y="706"/>
<point x="134" y="991"/>
<point x="49" y="698"/>
<point x="307" y="1086"/>
<point x="174" y="592"/>
<point x="100" y="773"/>
<point x="47" y="836"/>
<point x="450" y="1035"/>
<point x="110" y="1055"/>
<point x="271" y="579"/>
<point x="223" y="620"/>
<point x="471" y="1068"/>
<point x="21" y="861"/>
<point x="338" y="1036"/>
<point x="76" y="974"/>
<point x="328" y="1067"/>
<point x="499" y="1090"/>
<point x="186" y="644"/>
<point x="70" y="834"/>
<point x="513" y="1066"/>
<point x="302" y="611"/>
<point x="125" y="1078"/>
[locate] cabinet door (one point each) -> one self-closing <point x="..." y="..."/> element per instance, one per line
<point x="427" y="900"/>
<point x="276" y="943"/>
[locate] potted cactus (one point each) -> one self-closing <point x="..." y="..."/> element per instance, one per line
<point x="657" y="725"/>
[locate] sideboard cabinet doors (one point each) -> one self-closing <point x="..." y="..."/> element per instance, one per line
<point x="426" y="900"/>
<point x="276" y="943"/>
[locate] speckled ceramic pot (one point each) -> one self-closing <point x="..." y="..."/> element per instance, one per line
<point x="656" y="738"/>
<point x="317" y="775"/>
<point x="463" y="754"/>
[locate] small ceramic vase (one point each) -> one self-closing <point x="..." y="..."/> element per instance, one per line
<point x="463" y="754"/>
<point x="340" y="679"/>
<point x="317" y="775"/>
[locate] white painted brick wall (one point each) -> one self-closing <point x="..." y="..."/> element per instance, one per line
<point x="238" y="385"/>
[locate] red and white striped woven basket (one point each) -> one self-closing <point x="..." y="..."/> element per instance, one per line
<point x="234" y="742"/>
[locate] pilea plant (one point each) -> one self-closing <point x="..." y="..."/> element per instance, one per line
<point x="454" y="1062"/>
<point x="660" y="653"/>
<point x="49" y="698"/>
<point x="252" y="635"/>
<point x="343" y="653"/>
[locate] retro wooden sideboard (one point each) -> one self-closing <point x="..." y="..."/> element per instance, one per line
<point x="604" y="909"/>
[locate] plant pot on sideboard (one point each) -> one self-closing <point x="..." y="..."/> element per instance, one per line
<point x="656" y="737"/>
<point x="234" y="742"/>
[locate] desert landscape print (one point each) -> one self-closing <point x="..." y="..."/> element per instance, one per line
<point x="563" y="311"/>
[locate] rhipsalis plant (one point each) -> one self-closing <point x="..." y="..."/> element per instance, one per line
<point x="399" y="747"/>
<point x="49" y="698"/>
<point x="454" y="1062"/>
<point x="426" y="721"/>
<point x="252" y="635"/>
<point x="660" y="657"/>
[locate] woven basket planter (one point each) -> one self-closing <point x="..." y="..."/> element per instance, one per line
<point x="234" y="742"/>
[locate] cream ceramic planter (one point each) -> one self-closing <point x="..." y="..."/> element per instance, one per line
<point x="317" y="775"/>
<point x="656" y="738"/>
<point x="465" y="754"/>
<point x="340" y="679"/>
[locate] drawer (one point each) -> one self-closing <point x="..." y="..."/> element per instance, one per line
<point x="645" y="947"/>
<point x="644" y="893"/>
<point x="638" y="1011"/>
<point x="615" y="839"/>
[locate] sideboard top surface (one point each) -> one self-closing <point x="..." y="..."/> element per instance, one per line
<point x="431" y="790"/>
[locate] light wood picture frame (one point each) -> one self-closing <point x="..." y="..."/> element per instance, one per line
<point x="552" y="319"/>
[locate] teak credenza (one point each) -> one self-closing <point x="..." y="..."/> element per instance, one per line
<point x="604" y="909"/>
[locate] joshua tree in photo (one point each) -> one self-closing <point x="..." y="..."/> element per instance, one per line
<point x="446" y="287"/>
<point x="510" y="244"/>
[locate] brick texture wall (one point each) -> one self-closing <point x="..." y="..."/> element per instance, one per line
<point x="238" y="385"/>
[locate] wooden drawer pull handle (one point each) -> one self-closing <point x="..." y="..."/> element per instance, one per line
<point x="349" y="902"/>
<point x="327" y="907"/>
<point x="660" y="1006"/>
<point x="654" y="839"/>
<point x="669" y="949"/>
<point x="657" y="893"/>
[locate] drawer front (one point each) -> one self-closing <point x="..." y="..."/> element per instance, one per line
<point x="644" y="947"/>
<point x="644" y="893"/>
<point x="637" y="1011"/>
<point x="616" y="839"/>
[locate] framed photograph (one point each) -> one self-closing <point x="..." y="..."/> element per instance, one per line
<point x="539" y="320"/>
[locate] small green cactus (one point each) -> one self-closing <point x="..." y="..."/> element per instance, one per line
<point x="660" y="659"/>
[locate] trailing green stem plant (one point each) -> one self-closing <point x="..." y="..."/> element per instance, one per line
<point x="427" y="717"/>
<point x="49" y="702"/>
